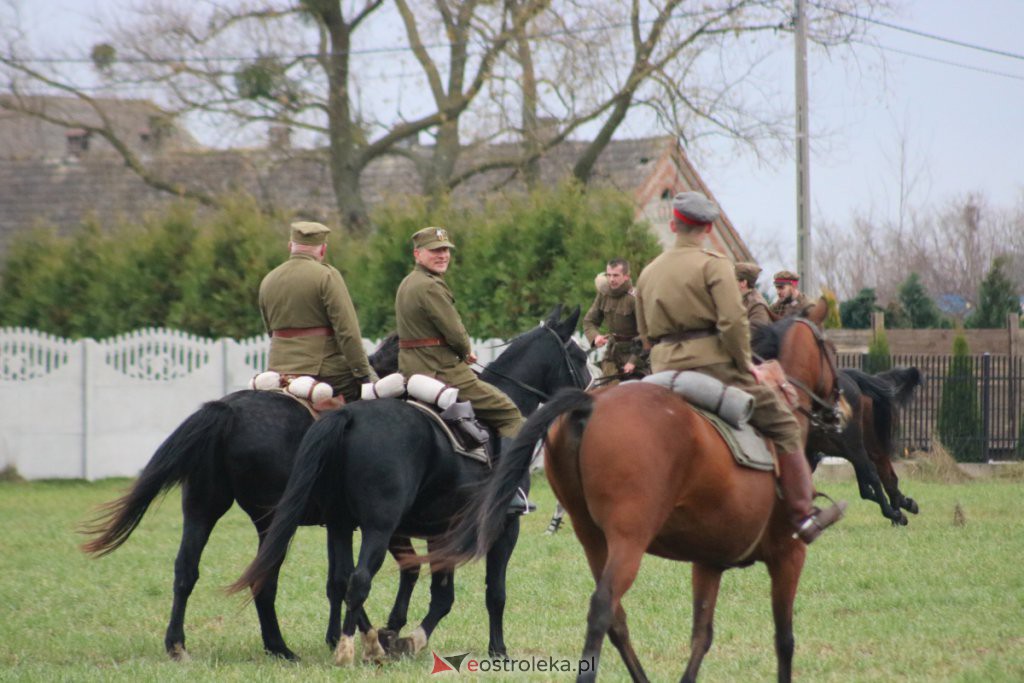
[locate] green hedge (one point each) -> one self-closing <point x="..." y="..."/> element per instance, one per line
<point x="200" y="271"/>
<point x="959" y="421"/>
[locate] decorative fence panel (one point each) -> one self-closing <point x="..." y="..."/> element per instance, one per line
<point x="92" y="409"/>
<point x="1000" y="393"/>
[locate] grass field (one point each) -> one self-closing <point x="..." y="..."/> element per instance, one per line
<point x="934" y="601"/>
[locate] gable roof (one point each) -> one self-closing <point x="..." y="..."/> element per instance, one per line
<point x="141" y="124"/>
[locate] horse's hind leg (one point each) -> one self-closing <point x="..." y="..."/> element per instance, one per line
<point x="399" y="548"/>
<point x="785" y="570"/>
<point x="706" y="582"/>
<point x="265" y="600"/>
<point x="200" y="513"/>
<point x="372" y="551"/>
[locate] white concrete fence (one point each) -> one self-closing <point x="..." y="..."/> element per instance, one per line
<point x="93" y="409"/>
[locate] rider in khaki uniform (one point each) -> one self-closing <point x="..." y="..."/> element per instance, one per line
<point x="312" y="323"/>
<point x="790" y="300"/>
<point x="432" y="340"/>
<point x="757" y="308"/>
<point x="615" y="304"/>
<point x="689" y="308"/>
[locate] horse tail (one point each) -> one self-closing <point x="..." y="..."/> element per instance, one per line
<point x="888" y="391"/>
<point x="904" y="382"/>
<point x="194" y="441"/>
<point x="482" y="520"/>
<point x="321" y="441"/>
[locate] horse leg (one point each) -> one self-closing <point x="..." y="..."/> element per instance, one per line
<point x="442" y="597"/>
<point x="784" y="570"/>
<point x="871" y="486"/>
<point x="201" y="513"/>
<point x="706" y="582"/>
<point x="372" y="551"/>
<point x="497" y="572"/>
<point x="399" y="548"/>
<point x="891" y="483"/>
<point x="618" y="633"/>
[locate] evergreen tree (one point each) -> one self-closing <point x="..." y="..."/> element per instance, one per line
<point x="959" y="420"/>
<point x="920" y="309"/>
<point x="856" y="313"/>
<point x="879" y="357"/>
<point x="832" y="320"/>
<point x="997" y="297"/>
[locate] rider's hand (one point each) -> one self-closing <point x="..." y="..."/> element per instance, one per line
<point x="756" y="372"/>
<point x="471" y="358"/>
<point x="600" y="340"/>
<point x="628" y="368"/>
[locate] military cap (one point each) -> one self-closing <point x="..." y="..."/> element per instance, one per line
<point x="693" y="208"/>
<point x="431" y="238"/>
<point x="747" y="271"/>
<point x="786" y="277"/>
<point x="309" y="233"/>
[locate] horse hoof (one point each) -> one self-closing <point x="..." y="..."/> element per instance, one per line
<point x="911" y="506"/>
<point x="284" y="654"/>
<point x="345" y="653"/>
<point x="372" y="651"/>
<point x="386" y="637"/>
<point x="178" y="653"/>
<point x="411" y="644"/>
<point x="901" y="520"/>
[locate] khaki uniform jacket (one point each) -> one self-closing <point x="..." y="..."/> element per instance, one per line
<point x="797" y="306"/>
<point x="425" y="309"/>
<point x="303" y="292"/>
<point x="619" y="311"/>
<point x="689" y="289"/>
<point x="757" y="309"/>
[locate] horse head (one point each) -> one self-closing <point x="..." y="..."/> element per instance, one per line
<point x="810" y="364"/>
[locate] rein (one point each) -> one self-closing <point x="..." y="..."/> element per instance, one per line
<point x="577" y="379"/>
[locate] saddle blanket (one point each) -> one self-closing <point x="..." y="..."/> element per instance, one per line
<point x="749" y="448"/>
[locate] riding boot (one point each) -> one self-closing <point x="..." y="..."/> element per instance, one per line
<point x="520" y="505"/>
<point x="798" y="493"/>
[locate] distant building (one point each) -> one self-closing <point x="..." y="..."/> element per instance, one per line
<point x="60" y="176"/>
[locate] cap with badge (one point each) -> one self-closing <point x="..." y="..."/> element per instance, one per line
<point x="786" y="277"/>
<point x="748" y="271"/>
<point x="693" y="208"/>
<point x="309" y="233"/>
<point x="431" y="238"/>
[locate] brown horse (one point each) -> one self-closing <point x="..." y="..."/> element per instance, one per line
<point x="639" y="471"/>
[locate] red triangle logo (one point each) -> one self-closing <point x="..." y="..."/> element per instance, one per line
<point x="440" y="666"/>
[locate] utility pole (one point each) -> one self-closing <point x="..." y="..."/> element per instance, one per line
<point x="803" y="170"/>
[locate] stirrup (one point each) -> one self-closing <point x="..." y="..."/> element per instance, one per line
<point x="819" y="520"/>
<point x="520" y="504"/>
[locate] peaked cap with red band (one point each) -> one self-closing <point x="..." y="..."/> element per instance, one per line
<point x="786" y="277"/>
<point x="693" y="208"/>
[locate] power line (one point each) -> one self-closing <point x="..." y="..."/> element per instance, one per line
<point x="947" y="62"/>
<point x="923" y="34"/>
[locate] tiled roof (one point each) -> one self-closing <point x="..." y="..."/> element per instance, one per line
<point x="64" y="191"/>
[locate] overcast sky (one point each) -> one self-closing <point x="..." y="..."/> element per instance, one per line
<point x="958" y="111"/>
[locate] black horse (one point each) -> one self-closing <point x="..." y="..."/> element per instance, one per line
<point x="384" y="467"/>
<point x="239" y="448"/>
<point x="866" y="439"/>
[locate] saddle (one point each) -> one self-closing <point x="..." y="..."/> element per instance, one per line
<point x="727" y="408"/>
<point x="438" y="400"/>
<point x="314" y="396"/>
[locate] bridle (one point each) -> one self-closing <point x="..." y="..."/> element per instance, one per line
<point x="574" y="373"/>
<point x="824" y="413"/>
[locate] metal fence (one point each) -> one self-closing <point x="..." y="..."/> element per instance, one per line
<point x="999" y="383"/>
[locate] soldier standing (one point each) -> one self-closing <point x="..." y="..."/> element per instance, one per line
<point x="790" y="300"/>
<point x="615" y="304"/>
<point x="433" y="340"/>
<point x="758" y="313"/>
<point x="308" y="312"/>
<point x="689" y="308"/>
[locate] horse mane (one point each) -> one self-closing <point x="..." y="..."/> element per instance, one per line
<point x="384" y="359"/>
<point x="766" y="340"/>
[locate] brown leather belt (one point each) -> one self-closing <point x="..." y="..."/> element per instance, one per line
<point x="419" y="343"/>
<point x="289" y="332"/>
<point x="688" y="335"/>
<point x="623" y="337"/>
